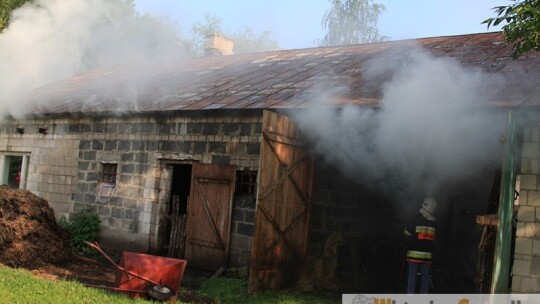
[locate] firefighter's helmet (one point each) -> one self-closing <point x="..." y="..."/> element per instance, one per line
<point x="429" y="205"/>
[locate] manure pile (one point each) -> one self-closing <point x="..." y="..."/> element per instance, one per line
<point x="29" y="233"/>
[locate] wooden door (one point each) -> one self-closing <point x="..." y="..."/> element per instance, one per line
<point x="283" y="205"/>
<point x="209" y="216"/>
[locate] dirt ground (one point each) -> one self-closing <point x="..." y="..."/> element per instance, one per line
<point x="98" y="272"/>
<point x="81" y="269"/>
<point x="30" y="238"/>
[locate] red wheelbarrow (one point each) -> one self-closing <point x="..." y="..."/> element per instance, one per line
<point x="139" y="274"/>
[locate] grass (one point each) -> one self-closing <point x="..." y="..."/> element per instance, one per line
<point x="21" y="286"/>
<point x="230" y="290"/>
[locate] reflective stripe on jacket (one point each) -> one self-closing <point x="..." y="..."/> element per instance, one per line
<point x="419" y="255"/>
<point x="421" y="240"/>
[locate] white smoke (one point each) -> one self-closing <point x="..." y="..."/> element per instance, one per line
<point x="432" y="125"/>
<point x="50" y="40"/>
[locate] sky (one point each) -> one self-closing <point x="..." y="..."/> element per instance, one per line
<point x="297" y="23"/>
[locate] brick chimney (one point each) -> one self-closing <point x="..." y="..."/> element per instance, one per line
<point x="217" y="45"/>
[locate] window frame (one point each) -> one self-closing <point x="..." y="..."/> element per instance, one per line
<point x="104" y="174"/>
<point x="241" y="182"/>
<point x="24" y="167"/>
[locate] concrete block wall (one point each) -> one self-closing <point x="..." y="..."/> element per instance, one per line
<point x="339" y="205"/>
<point x="243" y="221"/>
<point x="372" y="238"/>
<point x="526" y="263"/>
<point x="142" y="147"/>
<point x="65" y="164"/>
<point x="53" y="158"/>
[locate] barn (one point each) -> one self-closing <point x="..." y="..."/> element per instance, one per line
<point x="216" y="160"/>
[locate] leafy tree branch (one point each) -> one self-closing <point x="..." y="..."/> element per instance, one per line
<point x="522" y="28"/>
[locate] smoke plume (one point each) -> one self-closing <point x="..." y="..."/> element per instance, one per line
<point x="50" y="40"/>
<point x="432" y="125"/>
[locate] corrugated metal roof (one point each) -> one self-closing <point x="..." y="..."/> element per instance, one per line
<point x="282" y="79"/>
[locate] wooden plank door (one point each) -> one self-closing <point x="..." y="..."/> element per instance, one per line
<point x="283" y="205"/>
<point x="209" y="216"/>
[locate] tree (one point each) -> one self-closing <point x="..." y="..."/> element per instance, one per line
<point x="523" y="25"/>
<point x="199" y="32"/>
<point x="6" y="7"/>
<point x="246" y="41"/>
<point x="351" y="22"/>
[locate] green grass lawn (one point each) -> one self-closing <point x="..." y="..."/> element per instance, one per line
<point x="229" y="290"/>
<point x="21" y="286"/>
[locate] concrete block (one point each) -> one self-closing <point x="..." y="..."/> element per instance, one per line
<point x="535" y="266"/>
<point x="533" y="198"/>
<point x="244" y="229"/>
<point x="146" y="217"/>
<point x="516" y="283"/>
<point x="527" y="133"/>
<point x="534" y="134"/>
<point x="144" y="228"/>
<point x="151" y="194"/>
<point x="150" y="182"/>
<point x="528" y="230"/>
<point x="522" y="267"/>
<point x="528" y="181"/>
<point x="526" y="214"/>
<point x="147" y="207"/>
<point x="536" y="247"/>
<point x="240" y="242"/>
<point x="536" y="229"/>
<point x="523" y="245"/>
<point x="207" y="159"/>
<point x="129" y="225"/>
<point x="529" y="285"/>
<point x="530" y="150"/>
<point x="529" y="166"/>
<point x="113" y="223"/>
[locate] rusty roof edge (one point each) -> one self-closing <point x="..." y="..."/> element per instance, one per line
<point x="458" y="49"/>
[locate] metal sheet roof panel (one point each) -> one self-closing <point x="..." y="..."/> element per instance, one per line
<point x="289" y="78"/>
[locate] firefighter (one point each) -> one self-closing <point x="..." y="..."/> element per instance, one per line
<point x="420" y="233"/>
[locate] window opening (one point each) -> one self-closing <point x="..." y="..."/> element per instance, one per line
<point x="246" y="182"/>
<point x="108" y="183"/>
<point x="14" y="170"/>
<point x="108" y="173"/>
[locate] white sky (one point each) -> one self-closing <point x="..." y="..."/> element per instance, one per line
<point x="297" y="23"/>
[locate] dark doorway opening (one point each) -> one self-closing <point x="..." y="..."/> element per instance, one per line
<point x="177" y="210"/>
<point x="464" y="253"/>
<point x="370" y="256"/>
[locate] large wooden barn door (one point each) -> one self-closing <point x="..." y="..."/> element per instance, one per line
<point x="283" y="205"/>
<point x="209" y="216"/>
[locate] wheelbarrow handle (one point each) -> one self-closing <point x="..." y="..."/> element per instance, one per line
<point x="95" y="246"/>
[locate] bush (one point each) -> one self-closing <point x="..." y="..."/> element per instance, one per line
<point x="82" y="226"/>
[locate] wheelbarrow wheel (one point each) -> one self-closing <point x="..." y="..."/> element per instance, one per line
<point x="160" y="293"/>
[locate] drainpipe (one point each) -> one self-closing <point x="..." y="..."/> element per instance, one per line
<point x="503" y="246"/>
